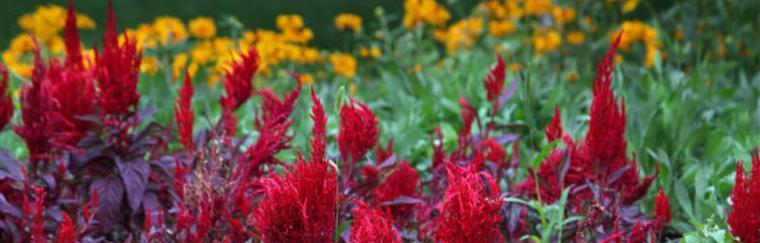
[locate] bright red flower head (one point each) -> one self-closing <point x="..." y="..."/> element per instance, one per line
<point x="117" y="68"/>
<point x="662" y="207"/>
<point x="298" y="206"/>
<point x="554" y="130"/>
<point x="66" y="120"/>
<point x="470" y="209"/>
<point x="38" y="223"/>
<point x="68" y="231"/>
<point x="238" y="88"/>
<point x="6" y="102"/>
<point x="358" y="131"/>
<point x="318" y="132"/>
<point x="744" y="217"/>
<point x="184" y="113"/>
<point x="402" y="182"/>
<point x="36" y="106"/>
<point x="494" y="82"/>
<point x="71" y="39"/>
<point x="371" y="225"/>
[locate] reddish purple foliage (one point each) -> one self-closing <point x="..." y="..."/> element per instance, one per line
<point x="744" y="217"/>
<point x="372" y="225"/>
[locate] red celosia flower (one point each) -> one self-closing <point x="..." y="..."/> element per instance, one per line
<point x="318" y="131"/>
<point x="6" y="102"/>
<point x="662" y="207"/>
<point x="744" y="218"/>
<point x="494" y="82"/>
<point x="299" y="206"/>
<point x="36" y="107"/>
<point x="550" y="184"/>
<point x="371" y="225"/>
<point x="358" y="131"/>
<point x="71" y="39"/>
<point x="117" y="68"/>
<point x="68" y="231"/>
<point x="470" y="209"/>
<point x="38" y="224"/>
<point x="554" y="130"/>
<point x="184" y="114"/>
<point x="238" y="88"/>
<point x="68" y="127"/>
<point x="402" y="182"/>
<point x="179" y="177"/>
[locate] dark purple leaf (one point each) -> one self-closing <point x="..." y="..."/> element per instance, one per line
<point x="110" y="193"/>
<point x="402" y="200"/>
<point x="135" y="176"/>
<point x="12" y="167"/>
<point x="618" y="173"/>
<point x="507" y="138"/>
<point x="8" y="208"/>
<point x="390" y="161"/>
<point x="508" y="93"/>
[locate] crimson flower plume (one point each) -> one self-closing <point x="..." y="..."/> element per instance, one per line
<point x="358" y="131"/>
<point x="184" y="113"/>
<point x="372" y="225"/>
<point x="6" y="102"/>
<point x="318" y="132"/>
<point x="71" y="39"/>
<point x="68" y="231"/>
<point x="744" y="217"/>
<point x="238" y="88"/>
<point x="494" y="82"/>
<point x="662" y="207"/>
<point x="470" y="208"/>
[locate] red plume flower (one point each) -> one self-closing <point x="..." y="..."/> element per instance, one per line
<point x="402" y="182"/>
<point x="238" y="88"/>
<point x="744" y="218"/>
<point x="6" y="102"/>
<point x="117" y="68"/>
<point x="662" y="207"/>
<point x="36" y="106"/>
<point x="554" y="130"/>
<point x="470" y="208"/>
<point x="318" y="132"/>
<point x="371" y="225"/>
<point x="71" y="39"/>
<point x="68" y="126"/>
<point x="358" y="131"/>
<point x="38" y="224"/>
<point x="494" y="82"/>
<point x="184" y="114"/>
<point x="299" y="206"/>
<point x="68" y="231"/>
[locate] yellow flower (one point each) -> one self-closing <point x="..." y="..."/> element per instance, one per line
<point x="462" y="34"/>
<point x="202" y="28"/>
<point x="343" y="64"/>
<point x="501" y="28"/>
<point x="22" y="43"/>
<point x="629" y="5"/>
<point x="363" y="52"/>
<point x="575" y="37"/>
<point x="515" y="66"/>
<point x="85" y="22"/>
<point x="652" y="51"/>
<point x="537" y="7"/>
<point x="203" y="52"/>
<point x="149" y="65"/>
<point x="563" y="15"/>
<point x="170" y="30"/>
<point x="635" y="31"/>
<point x="307" y="79"/>
<point x="375" y="52"/>
<point x="679" y="34"/>
<point x="424" y="12"/>
<point x="347" y="21"/>
<point x="546" y="41"/>
<point x="178" y="65"/>
<point x="289" y="22"/>
<point x="572" y="76"/>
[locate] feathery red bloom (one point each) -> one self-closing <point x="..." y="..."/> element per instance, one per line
<point x="68" y="127"/>
<point x="71" y="39"/>
<point x="38" y="224"/>
<point x="371" y="225"/>
<point x="358" y="131"/>
<point x="494" y="82"/>
<point x="238" y="88"/>
<point x="184" y="114"/>
<point x="36" y="105"/>
<point x="318" y="131"/>
<point x="554" y="130"/>
<point x="744" y="218"/>
<point x="179" y="177"/>
<point x="402" y="182"/>
<point x="550" y="183"/>
<point x="117" y="68"/>
<point x="662" y="207"/>
<point x="470" y="208"/>
<point x="298" y="206"/>
<point x="68" y="231"/>
<point x="6" y="102"/>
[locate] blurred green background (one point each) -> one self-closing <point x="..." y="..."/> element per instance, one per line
<point x="318" y="14"/>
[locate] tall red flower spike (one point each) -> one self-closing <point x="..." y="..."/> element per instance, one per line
<point x="357" y="133"/>
<point x="554" y="130"/>
<point x="36" y="105"/>
<point x="71" y="39"/>
<point x="238" y="88"/>
<point x="494" y="82"/>
<point x="402" y="182"/>
<point x="372" y="225"/>
<point x="318" y="132"/>
<point x="662" y="207"/>
<point x="38" y="223"/>
<point x="184" y="114"/>
<point x="66" y="120"/>
<point x="117" y="68"/>
<point x="6" y="101"/>
<point x="68" y="231"/>
<point x="470" y="208"/>
<point x="744" y="218"/>
<point x="298" y="206"/>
